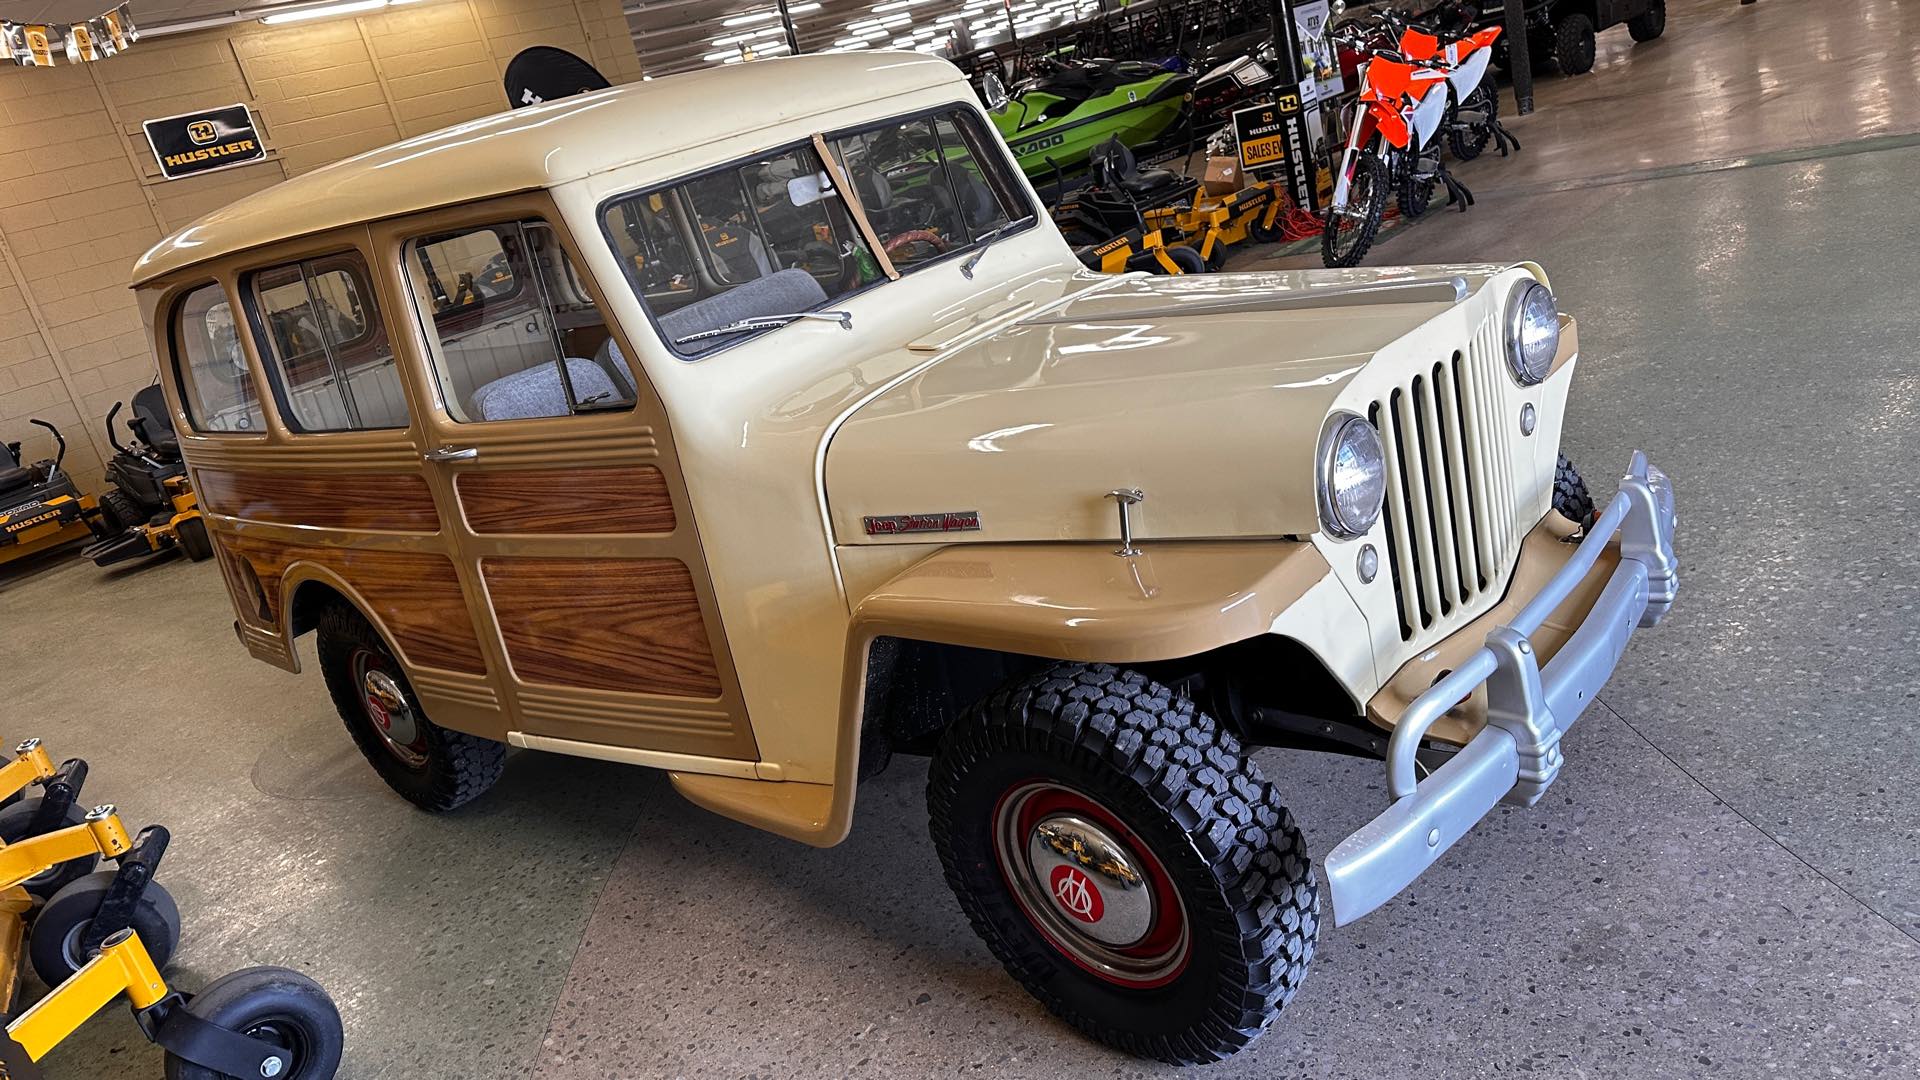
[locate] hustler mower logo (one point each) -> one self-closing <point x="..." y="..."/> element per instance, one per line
<point x="204" y="141"/>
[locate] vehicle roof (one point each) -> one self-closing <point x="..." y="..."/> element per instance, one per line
<point x="549" y="144"/>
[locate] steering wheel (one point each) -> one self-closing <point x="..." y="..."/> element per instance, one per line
<point x="901" y="242"/>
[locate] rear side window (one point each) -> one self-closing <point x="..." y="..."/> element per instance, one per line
<point x="215" y="385"/>
<point x="326" y="348"/>
<point x="515" y="334"/>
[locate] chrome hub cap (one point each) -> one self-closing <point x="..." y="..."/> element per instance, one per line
<point x="393" y="716"/>
<point x="1090" y="886"/>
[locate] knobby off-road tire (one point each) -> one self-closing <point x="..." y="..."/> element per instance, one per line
<point x="1570" y="495"/>
<point x="1573" y="45"/>
<point x="1414" y="194"/>
<point x="1211" y="863"/>
<point x="428" y="765"/>
<point x="1649" y="25"/>
<point x="1345" y="243"/>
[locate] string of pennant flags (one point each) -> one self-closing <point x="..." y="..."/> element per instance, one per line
<point x="38" y="44"/>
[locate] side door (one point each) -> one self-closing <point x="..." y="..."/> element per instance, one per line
<point x="567" y="509"/>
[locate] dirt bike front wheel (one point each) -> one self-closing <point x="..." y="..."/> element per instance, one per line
<point x="1473" y="127"/>
<point x="1350" y="231"/>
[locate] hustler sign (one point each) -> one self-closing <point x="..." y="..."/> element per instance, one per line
<point x="204" y="141"/>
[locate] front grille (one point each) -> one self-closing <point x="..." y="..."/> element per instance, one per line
<point x="1450" y="498"/>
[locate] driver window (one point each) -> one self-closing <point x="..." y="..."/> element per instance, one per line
<point x="515" y="335"/>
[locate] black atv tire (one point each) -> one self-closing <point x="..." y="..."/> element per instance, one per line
<point x="194" y="542"/>
<point x="1570" y="495"/>
<point x="1374" y="171"/>
<point x="1467" y="145"/>
<point x="1573" y="45"/>
<point x="282" y="1007"/>
<point x="15" y="821"/>
<point x="1214" y="844"/>
<point x="1187" y="260"/>
<point x="54" y="941"/>
<point x="121" y="512"/>
<point x="1649" y="24"/>
<point x="445" y="769"/>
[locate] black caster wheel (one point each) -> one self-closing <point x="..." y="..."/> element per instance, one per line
<point x="54" y="939"/>
<point x="275" y="1005"/>
<point x="16" y="824"/>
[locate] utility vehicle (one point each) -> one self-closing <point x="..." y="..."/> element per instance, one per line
<point x="707" y="480"/>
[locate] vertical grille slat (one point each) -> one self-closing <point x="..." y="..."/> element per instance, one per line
<point x="1451" y="532"/>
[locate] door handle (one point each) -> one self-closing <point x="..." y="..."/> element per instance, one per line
<point x="451" y="453"/>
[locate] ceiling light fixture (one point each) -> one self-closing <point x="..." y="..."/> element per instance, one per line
<point x="321" y="12"/>
<point x="742" y="20"/>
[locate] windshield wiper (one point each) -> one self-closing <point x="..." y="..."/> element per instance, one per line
<point x="765" y="322"/>
<point x="973" y="260"/>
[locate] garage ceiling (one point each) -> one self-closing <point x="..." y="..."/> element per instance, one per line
<point x="145" y="12"/>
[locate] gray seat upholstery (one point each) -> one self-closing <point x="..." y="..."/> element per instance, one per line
<point x="776" y="294"/>
<point x="537" y="391"/>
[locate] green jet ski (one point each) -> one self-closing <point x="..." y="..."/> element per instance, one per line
<point x="1058" y="118"/>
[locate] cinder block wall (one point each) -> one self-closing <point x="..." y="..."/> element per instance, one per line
<point x="81" y="197"/>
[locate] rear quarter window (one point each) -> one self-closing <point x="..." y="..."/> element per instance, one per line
<point x="215" y="384"/>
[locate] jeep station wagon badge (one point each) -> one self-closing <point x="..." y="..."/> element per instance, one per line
<point x="894" y="524"/>
<point x="622" y="373"/>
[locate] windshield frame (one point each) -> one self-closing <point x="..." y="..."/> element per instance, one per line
<point x="821" y="142"/>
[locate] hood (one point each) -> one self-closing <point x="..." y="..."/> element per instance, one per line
<point x="1207" y="393"/>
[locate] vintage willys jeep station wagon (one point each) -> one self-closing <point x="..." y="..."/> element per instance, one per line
<point x="755" y="425"/>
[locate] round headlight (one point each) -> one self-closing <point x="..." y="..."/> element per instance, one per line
<point x="1533" y="332"/>
<point x="1353" y="476"/>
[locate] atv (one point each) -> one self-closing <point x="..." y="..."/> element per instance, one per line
<point x="1058" y="118"/>
<point x="40" y="506"/>
<point x="151" y="506"/>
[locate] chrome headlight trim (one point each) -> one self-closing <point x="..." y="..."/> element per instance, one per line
<point x="1531" y="343"/>
<point x="1340" y="428"/>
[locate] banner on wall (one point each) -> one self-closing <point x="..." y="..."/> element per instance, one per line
<point x="200" y="142"/>
<point x="36" y="44"/>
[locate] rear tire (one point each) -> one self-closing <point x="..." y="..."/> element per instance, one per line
<point x="1126" y="861"/>
<point x="121" y="512"/>
<point x="54" y="944"/>
<point x="279" y="1006"/>
<point x="1345" y="240"/>
<point x="194" y="541"/>
<point x="1415" y="195"/>
<point x="15" y="822"/>
<point x="1573" y="45"/>
<point x="1649" y="24"/>
<point x="428" y="765"/>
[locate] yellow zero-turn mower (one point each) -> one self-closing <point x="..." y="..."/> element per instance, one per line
<point x="1140" y="249"/>
<point x="40" y="506"/>
<point x="1213" y="223"/>
<point x="151" y="506"/>
<point x="105" y="933"/>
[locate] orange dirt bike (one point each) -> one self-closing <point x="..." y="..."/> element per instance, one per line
<point x="1409" y="96"/>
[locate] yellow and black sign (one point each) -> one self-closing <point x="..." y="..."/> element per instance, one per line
<point x="204" y="141"/>
<point x="1273" y="138"/>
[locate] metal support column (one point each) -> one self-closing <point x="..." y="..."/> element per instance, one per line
<point x="786" y="23"/>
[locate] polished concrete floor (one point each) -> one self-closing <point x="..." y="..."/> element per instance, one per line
<point x="1725" y="883"/>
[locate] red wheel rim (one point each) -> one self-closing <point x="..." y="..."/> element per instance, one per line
<point x="1090" y="885"/>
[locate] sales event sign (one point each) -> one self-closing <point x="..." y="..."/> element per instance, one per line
<point x="199" y="142"/>
<point x="1274" y="137"/>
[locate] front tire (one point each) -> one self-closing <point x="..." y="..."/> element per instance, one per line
<point x="1345" y="239"/>
<point x="54" y="946"/>
<point x="1570" y="495"/>
<point x="1573" y="45"/>
<point x="16" y="824"/>
<point x="194" y="541"/>
<point x="1649" y="24"/>
<point x="1125" y="861"/>
<point x="278" y="1006"/>
<point x="1467" y="143"/>
<point x="426" y="764"/>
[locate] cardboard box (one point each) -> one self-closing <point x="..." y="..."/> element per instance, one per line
<point x="1223" y="176"/>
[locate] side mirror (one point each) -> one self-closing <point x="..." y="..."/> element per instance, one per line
<point x="807" y="190"/>
<point x="1339" y="8"/>
<point x="995" y="93"/>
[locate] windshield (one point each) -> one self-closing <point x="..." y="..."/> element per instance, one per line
<point x="775" y="235"/>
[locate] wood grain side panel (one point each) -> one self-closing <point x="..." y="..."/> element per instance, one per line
<point x="397" y="501"/>
<point x="615" y="499"/>
<point x="632" y="625"/>
<point x="415" y="595"/>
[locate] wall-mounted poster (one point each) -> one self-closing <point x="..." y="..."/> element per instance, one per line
<point x="199" y="142"/>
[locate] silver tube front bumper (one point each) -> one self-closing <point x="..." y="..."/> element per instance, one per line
<point x="1517" y="755"/>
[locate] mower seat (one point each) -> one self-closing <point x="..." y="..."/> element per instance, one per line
<point x="154" y="424"/>
<point x="1114" y="166"/>
<point x="12" y="476"/>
